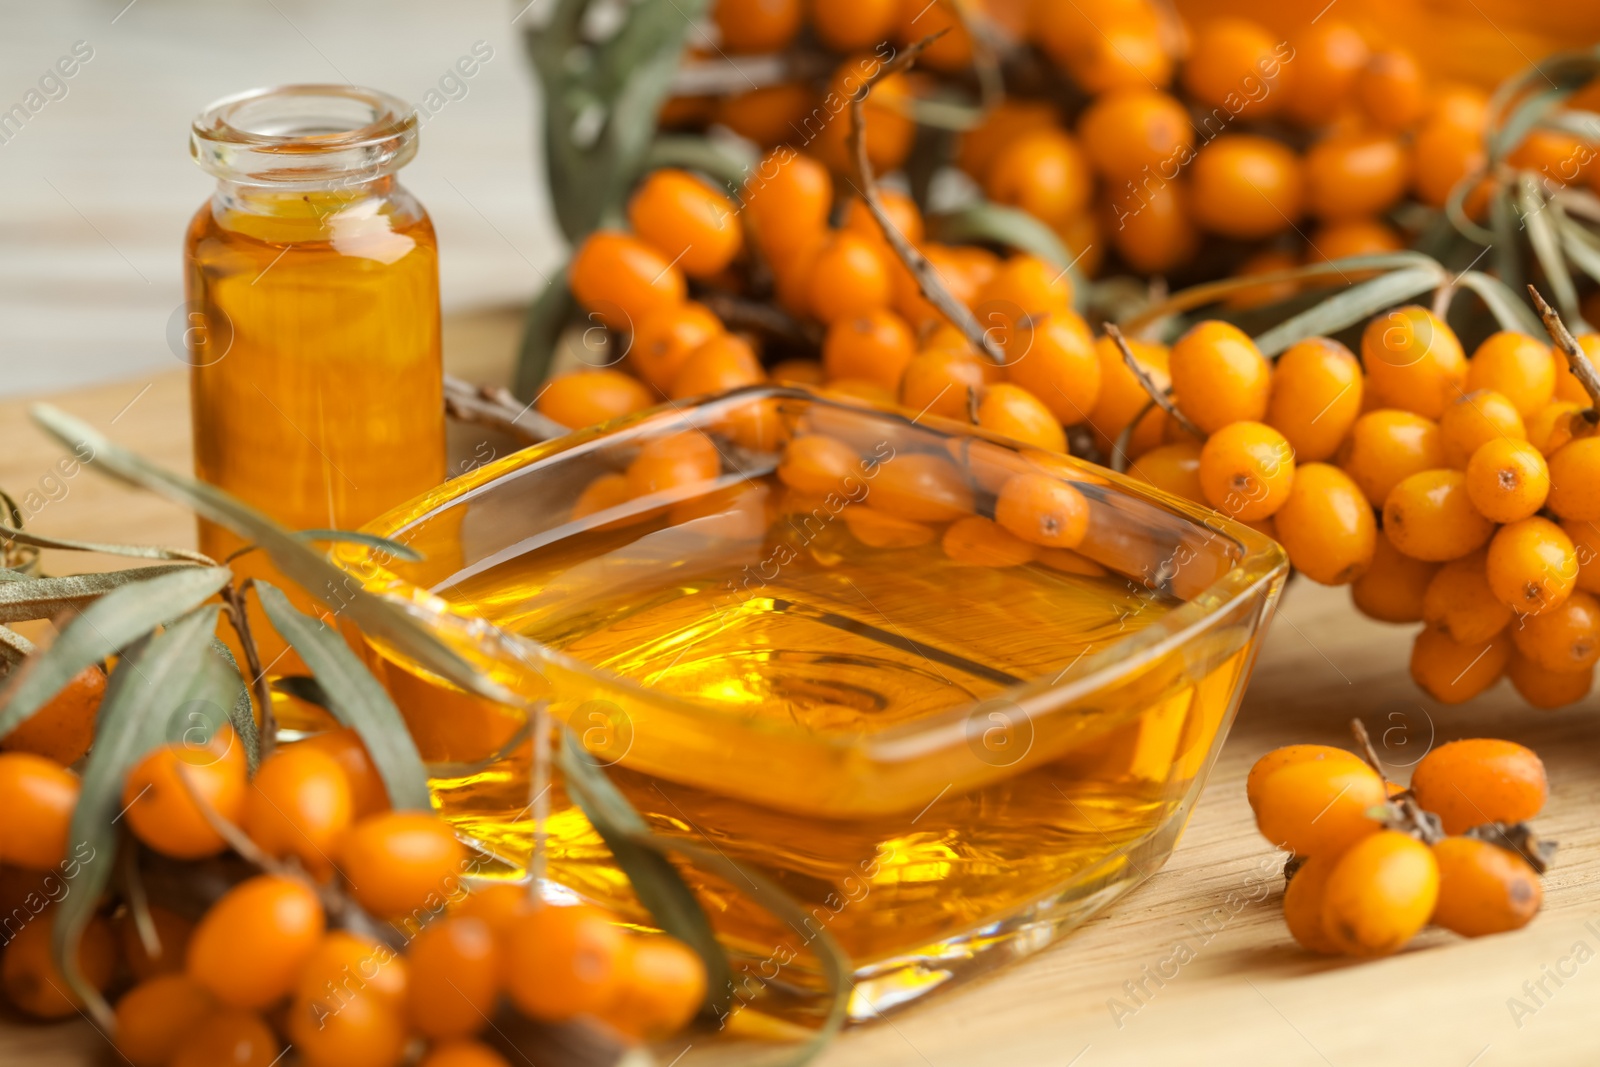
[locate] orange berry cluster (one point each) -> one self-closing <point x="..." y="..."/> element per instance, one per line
<point x="1365" y="889"/>
<point x="265" y="964"/>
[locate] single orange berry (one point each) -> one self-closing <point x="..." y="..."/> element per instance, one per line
<point x="665" y="338"/>
<point x="1042" y="510"/>
<point x="818" y="464"/>
<point x="1443" y="153"/>
<point x="979" y="542"/>
<point x="563" y="962"/>
<point x="344" y="965"/>
<point x="1392" y="90"/>
<point x="1533" y="565"/>
<point x="874" y="347"/>
<point x="1303" y="900"/>
<point x="401" y="861"/>
<point x="622" y="280"/>
<point x="1246" y="470"/>
<point x="1236" y="64"/>
<point x="1126" y="54"/>
<point x="787" y="198"/>
<point x="1507" y="480"/>
<point x="1460" y="603"/>
<point x="1328" y="56"/>
<point x="1386" y="447"/>
<point x="875" y="529"/>
<point x="756" y="25"/>
<point x="1153" y="228"/>
<point x="362" y="1030"/>
<point x="1045" y="173"/>
<point x="1413" y="361"/>
<point x="1483" y="889"/>
<point x="724" y="362"/>
<point x="1315" y="397"/>
<point x="1173" y="468"/>
<point x="847" y="26"/>
<point x="299" y="805"/>
<point x="463" y="1054"/>
<point x="1394" y="586"/>
<point x="38" y="796"/>
<point x="1480" y="780"/>
<point x="1001" y="124"/>
<point x="683" y="218"/>
<point x="1264" y="294"/>
<point x="1247" y="187"/>
<point x="1453" y="672"/>
<point x="921" y="488"/>
<point x="274" y="922"/>
<point x="1564" y="639"/>
<point x="1013" y="412"/>
<point x="160" y="795"/>
<point x="1430" y="516"/>
<point x="1134" y="132"/>
<point x="1025" y="286"/>
<point x="1055" y="360"/>
<point x="455" y="978"/>
<point x="798" y="372"/>
<point x="1380" y="894"/>
<point x="496" y="903"/>
<point x="849" y="279"/>
<point x="233" y="1037"/>
<point x="29" y="976"/>
<point x="1355" y="175"/>
<point x="1518" y="367"/>
<point x="1318" y="807"/>
<point x="937" y="381"/>
<point x="63" y="729"/>
<point x="154" y="1017"/>
<point x="1219" y="376"/>
<point x="1326" y="525"/>
<point x="662" y="986"/>
<point x="368" y="794"/>
<point x="1548" y="689"/>
<point x="1287" y="756"/>
<point x="1575" y="480"/>
<point x="768" y="115"/>
<point x="1472" y="421"/>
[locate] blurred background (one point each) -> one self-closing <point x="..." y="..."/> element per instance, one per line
<point x="97" y="184"/>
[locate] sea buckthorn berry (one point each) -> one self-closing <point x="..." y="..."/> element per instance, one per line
<point x="903" y="214"/>
<point x="889" y="129"/>
<point x="161" y="808"/>
<point x="937" y="382"/>
<point x="798" y="372"/>
<point x="455" y="978"/>
<point x="787" y="198"/>
<point x="1562" y="639"/>
<point x="463" y="1054"/>
<point x="1235" y="64"/>
<point x="1315" y="397"/>
<point x="1533" y="566"/>
<point x="1413" y="361"/>
<point x="1318" y="807"/>
<point x="1326" y="525"/>
<point x="1246" y="470"/>
<point x="563" y="962"/>
<point x="1302" y="905"/>
<point x="270" y="920"/>
<point x="1430" y="516"/>
<point x="849" y="279"/>
<point x="607" y="491"/>
<point x="725" y="362"/>
<point x="1586" y="547"/>
<point x="1126" y="54"/>
<point x="921" y="488"/>
<point x="674" y="461"/>
<point x="401" y="861"/>
<point x="952" y="52"/>
<point x="1327" y="57"/>
<point x="1467" y="106"/>
<point x="1548" y="689"/>
<point x="1507" y="480"/>
<point x="1044" y="173"/>
<point x="1553" y="155"/>
<point x="38" y="796"/>
<point x="1394" y="586"/>
<point x="622" y="280"/>
<point x="1001" y="124"/>
<point x="344" y="965"/>
<point x="663" y="984"/>
<point x="768" y="115"/>
<point x="1055" y="360"/>
<point x="1453" y="672"/>
<point x="299" y="804"/>
<point x="1480" y="780"/>
<point x="1575" y="480"/>
<point x="979" y="542"/>
<point x="665" y="338"/>
<point x="586" y="397"/>
<point x="166" y="955"/>
<point x="908" y="300"/>
<point x="1460" y="603"/>
<point x="1012" y="411"/>
<point x="155" y="1016"/>
<point x="1380" y="894"/>
<point x="1027" y="285"/>
<point x="1386" y="447"/>
<point x="1443" y="153"/>
<point x="1352" y="237"/>
<point x="1391" y="90"/>
<point x="686" y="220"/>
<point x="1472" y="421"/>
<point x="1042" y="510"/>
<point x="496" y="903"/>
<point x="876" y="529"/>
<point x="232" y="1037"/>
<point x="368" y="794"/>
<point x="1173" y="469"/>
<point x="1354" y="175"/>
<point x="1518" y="367"/>
<point x="63" y="729"/>
<point x="361" y="1030"/>
<point x="1483" y="889"/>
<point x="1219" y="376"/>
<point x="1287" y="756"/>
<point x="1132" y="132"/>
<point x="978" y="265"/>
<point x="818" y="464"/>
<point x="1121" y="398"/>
<point x="874" y="347"/>
<point x="1153" y="228"/>
<point x="29" y="976"/>
<point x="1553" y="426"/>
<point x="1247" y="187"/>
<point x="756" y="25"/>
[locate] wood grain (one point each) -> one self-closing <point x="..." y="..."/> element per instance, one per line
<point x="1247" y="995"/>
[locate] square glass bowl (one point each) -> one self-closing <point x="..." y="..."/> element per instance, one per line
<point x="790" y="629"/>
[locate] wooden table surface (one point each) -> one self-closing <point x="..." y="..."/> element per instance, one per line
<point x="1246" y="994"/>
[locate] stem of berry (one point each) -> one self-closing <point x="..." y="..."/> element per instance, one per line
<point x="489" y="406"/>
<point x="1368" y="753"/>
<point x="1582" y="369"/>
<point x="928" y="282"/>
<point x="1157" y="394"/>
<point x="233" y="601"/>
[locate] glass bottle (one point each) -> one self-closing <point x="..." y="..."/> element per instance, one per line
<point x="312" y="316"/>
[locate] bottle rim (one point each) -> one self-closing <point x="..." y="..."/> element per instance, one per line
<point x="305" y="135"/>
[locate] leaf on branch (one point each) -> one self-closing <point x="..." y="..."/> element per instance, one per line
<point x="1512" y="314"/>
<point x="1015" y="229"/>
<point x="14" y="649"/>
<point x="1350" y="306"/>
<point x="242" y="713"/>
<point x="24" y="537"/>
<point x="44" y="598"/>
<point x="354" y="697"/>
<point x="1538" y="219"/>
<point x="107" y="625"/>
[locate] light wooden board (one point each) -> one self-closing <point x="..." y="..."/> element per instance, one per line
<point x="1247" y="995"/>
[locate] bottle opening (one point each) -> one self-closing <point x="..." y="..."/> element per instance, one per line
<point x="305" y="135"/>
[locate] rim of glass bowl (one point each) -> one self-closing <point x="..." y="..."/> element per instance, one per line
<point x="1261" y="562"/>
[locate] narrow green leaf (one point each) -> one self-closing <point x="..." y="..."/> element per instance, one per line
<point x="1546" y="244"/>
<point x="45" y="598"/>
<point x="1350" y="306"/>
<point x="354" y="537"/>
<point x="23" y="537"/>
<point x="242" y="714"/>
<point x="1508" y="310"/>
<point x="723" y="160"/>
<point x="150" y="699"/>
<point x="14" y="648"/>
<point x="1503" y="241"/>
<point x="108" y="624"/>
<point x="548" y="315"/>
<point x="1013" y="228"/>
<point x="377" y="617"/>
<point x="355" y="698"/>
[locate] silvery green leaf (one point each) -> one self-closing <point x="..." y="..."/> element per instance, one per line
<point x="725" y="161"/>
<point x="242" y="714"/>
<point x="1539" y="220"/>
<point x="548" y="315"/>
<point x="14" y="649"/>
<point x="1509" y="311"/>
<point x="354" y="697"/>
<point x="985" y="221"/>
<point x="45" y="598"/>
<point x="105" y="626"/>
<point x="1503" y="241"/>
<point x="1350" y="306"/>
<point x="24" y="537"/>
